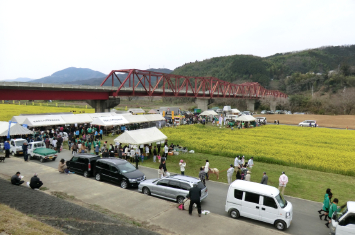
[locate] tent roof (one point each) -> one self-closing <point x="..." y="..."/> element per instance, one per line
<point x="154" y="117"/>
<point x="136" y="119"/>
<point x="154" y="111"/>
<point x="136" y="110"/>
<point x="110" y="121"/>
<point x="21" y="119"/>
<point x="209" y="112"/>
<point x="15" y="129"/>
<point x="97" y="115"/>
<point x="246" y="118"/>
<point x="141" y="136"/>
<point x="44" y="120"/>
<point x="83" y="118"/>
<point x="235" y="111"/>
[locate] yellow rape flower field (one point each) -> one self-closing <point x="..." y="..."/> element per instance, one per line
<point x="10" y="110"/>
<point x="327" y="150"/>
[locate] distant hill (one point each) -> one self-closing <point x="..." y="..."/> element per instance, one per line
<point x="98" y="81"/>
<point x="19" y="80"/>
<point x="265" y="69"/>
<point x="69" y="75"/>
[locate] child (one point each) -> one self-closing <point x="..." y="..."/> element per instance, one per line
<point x="159" y="157"/>
<point x="155" y="154"/>
<point x="142" y="157"/>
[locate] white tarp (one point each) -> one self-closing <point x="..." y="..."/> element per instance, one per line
<point x="15" y="129"/>
<point x="21" y="119"/>
<point x="97" y="115"/>
<point x="154" y="117"/>
<point x="136" y="119"/>
<point x="208" y="113"/>
<point x="141" y="136"/>
<point x="78" y="118"/>
<point x="110" y="121"/>
<point x="246" y="118"/>
<point x="49" y="120"/>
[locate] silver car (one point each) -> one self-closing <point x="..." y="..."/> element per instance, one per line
<point x="174" y="187"/>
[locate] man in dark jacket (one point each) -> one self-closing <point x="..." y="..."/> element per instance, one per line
<point x="7" y="148"/>
<point x="16" y="180"/>
<point x="264" y="179"/>
<point x="24" y="148"/>
<point x="194" y="196"/>
<point x="35" y="183"/>
<point x="59" y="143"/>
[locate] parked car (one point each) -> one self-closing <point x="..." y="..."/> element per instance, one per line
<point x="118" y="171"/>
<point x="289" y="112"/>
<point x="174" y="187"/>
<point x="279" y="112"/>
<point x="260" y="202"/>
<point x="343" y="223"/>
<point x="270" y="112"/>
<point x="16" y="146"/>
<point x="263" y="112"/>
<point x="262" y="120"/>
<point x="32" y="146"/>
<point x="44" y="154"/>
<point x="83" y="163"/>
<point x="247" y="112"/>
<point x="308" y="123"/>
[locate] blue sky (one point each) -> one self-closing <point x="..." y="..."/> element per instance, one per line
<point x="39" y="38"/>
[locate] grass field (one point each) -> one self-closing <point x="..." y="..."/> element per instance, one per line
<point x="320" y="149"/>
<point x="10" y="110"/>
<point x="16" y="223"/>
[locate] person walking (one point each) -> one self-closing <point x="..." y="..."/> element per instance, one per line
<point x="325" y="196"/>
<point x="166" y="150"/>
<point x="158" y="146"/>
<point x="136" y="159"/>
<point x="47" y="142"/>
<point x="35" y="182"/>
<point x="264" y="179"/>
<point x="24" y="149"/>
<point x="16" y="179"/>
<point x="283" y="180"/>
<point x="207" y="168"/>
<point x="195" y="198"/>
<point x="333" y="208"/>
<point x="202" y="175"/>
<point x="59" y="143"/>
<point x="97" y="149"/>
<point x="160" y="171"/>
<point x="248" y="176"/>
<point x="155" y="154"/>
<point x="326" y="205"/>
<point x="182" y="165"/>
<point x="251" y="162"/>
<point x="230" y="172"/>
<point x="236" y="162"/>
<point x="7" y="148"/>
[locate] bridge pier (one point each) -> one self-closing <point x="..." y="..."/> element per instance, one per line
<point x="203" y="103"/>
<point x="101" y="106"/>
<point x="250" y="105"/>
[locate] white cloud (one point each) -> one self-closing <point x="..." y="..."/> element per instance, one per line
<point x="42" y="37"/>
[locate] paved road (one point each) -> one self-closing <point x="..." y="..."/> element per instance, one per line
<point x="305" y="219"/>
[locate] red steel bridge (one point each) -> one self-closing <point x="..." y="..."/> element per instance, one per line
<point x="134" y="82"/>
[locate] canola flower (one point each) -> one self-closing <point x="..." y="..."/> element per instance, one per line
<point x="10" y="110"/>
<point x="322" y="149"/>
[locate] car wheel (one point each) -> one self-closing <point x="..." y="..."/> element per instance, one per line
<point x="86" y="174"/>
<point x="146" y="191"/>
<point x="280" y="225"/>
<point x="234" y="214"/>
<point x="13" y="153"/>
<point x="41" y="159"/>
<point x="180" y="200"/>
<point x="124" y="184"/>
<point x="98" y="177"/>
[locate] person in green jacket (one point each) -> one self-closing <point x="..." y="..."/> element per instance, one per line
<point x="326" y="205"/>
<point x="333" y="209"/>
<point x="325" y="196"/>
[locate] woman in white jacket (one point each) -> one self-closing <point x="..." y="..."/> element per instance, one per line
<point x="182" y="165"/>
<point x="207" y="168"/>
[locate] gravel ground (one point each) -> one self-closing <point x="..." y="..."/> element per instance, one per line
<point x="68" y="217"/>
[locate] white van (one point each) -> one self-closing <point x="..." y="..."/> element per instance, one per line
<point x="16" y="146"/>
<point x="34" y="145"/>
<point x="260" y="202"/>
<point x="343" y="222"/>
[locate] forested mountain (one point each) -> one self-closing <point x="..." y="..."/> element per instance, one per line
<point x="238" y="68"/>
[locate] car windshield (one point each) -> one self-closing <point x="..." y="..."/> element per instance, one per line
<point x="20" y="142"/>
<point x="126" y="167"/>
<point x="281" y="200"/>
<point x="341" y="213"/>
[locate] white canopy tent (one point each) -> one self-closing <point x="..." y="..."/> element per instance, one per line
<point x="50" y="120"/>
<point x="246" y="118"/>
<point x="134" y="111"/>
<point x="154" y="117"/>
<point x="141" y="136"/>
<point x="136" y="119"/>
<point x="97" y="115"/>
<point x="208" y="113"/>
<point x="21" y="119"/>
<point x="15" y="129"/>
<point x="235" y="111"/>
<point x="72" y="119"/>
<point x="110" y="121"/>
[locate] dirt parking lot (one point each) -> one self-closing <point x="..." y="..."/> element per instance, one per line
<point x="337" y="121"/>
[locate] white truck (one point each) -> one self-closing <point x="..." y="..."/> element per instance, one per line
<point x="37" y="150"/>
<point x="16" y="146"/>
<point x="343" y="222"/>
